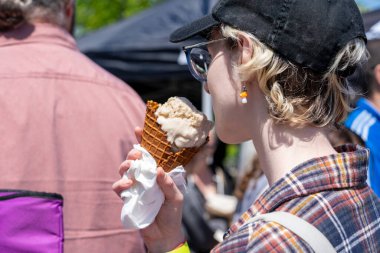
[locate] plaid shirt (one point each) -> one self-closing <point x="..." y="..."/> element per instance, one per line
<point x="329" y="192"/>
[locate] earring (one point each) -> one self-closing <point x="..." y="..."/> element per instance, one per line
<point x="244" y="94"/>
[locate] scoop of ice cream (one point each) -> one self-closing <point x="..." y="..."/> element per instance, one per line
<point x="184" y="125"/>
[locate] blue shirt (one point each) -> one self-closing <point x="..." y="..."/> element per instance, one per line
<point x="365" y="122"/>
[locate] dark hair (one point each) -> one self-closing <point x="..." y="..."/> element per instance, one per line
<point x="15" y="12"/>
<point x="342" y="135"/>
<point x="254" y="172"/>
<point x="11" y="14"/>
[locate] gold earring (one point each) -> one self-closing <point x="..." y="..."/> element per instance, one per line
<point x="244" y="94"/>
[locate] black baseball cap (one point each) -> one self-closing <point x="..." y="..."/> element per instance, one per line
<point x="308" y="33"/>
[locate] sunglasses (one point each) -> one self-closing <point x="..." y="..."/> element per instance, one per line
<point x="199" y="59"/>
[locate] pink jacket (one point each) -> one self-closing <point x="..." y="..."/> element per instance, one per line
<point x="66" y="125"/>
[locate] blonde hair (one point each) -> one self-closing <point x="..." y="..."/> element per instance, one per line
<point x="295" y="95"/>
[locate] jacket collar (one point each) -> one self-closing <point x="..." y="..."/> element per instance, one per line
<point x="41" y="33"/>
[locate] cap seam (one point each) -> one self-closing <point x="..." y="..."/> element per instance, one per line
<point x="280" y="21"/>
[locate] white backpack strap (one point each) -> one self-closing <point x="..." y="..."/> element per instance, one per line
<point x="310" y="234"/>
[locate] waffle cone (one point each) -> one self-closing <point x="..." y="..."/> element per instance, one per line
<point x="154" y="140"/>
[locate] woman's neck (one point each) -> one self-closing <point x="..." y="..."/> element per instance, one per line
<point x="281" y="148"/>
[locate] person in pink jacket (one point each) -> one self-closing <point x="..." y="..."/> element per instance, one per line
<point x="66" y="124"/>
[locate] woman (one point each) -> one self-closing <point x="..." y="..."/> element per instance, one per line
<point x="276" y="72"/>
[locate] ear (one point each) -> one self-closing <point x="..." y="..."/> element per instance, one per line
<point x="376" y="73"/>
<point x="70" y="16"/>
<point x="69" y="9"/>
<point x="245" y="47"/>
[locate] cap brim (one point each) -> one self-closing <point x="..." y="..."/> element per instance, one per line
<point x="197" y="27"/>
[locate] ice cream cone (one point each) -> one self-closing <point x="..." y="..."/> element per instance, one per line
<point x="154" y="140"/>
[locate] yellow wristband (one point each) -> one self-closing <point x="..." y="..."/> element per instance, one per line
<point x="184" y="248"/>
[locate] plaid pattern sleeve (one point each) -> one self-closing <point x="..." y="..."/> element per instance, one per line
<point x="263" y="237"/>
<point x="329" y="192"/>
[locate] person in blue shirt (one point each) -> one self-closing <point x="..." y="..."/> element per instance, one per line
<point x="364" y="120"/>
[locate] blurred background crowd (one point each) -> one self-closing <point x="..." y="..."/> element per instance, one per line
<point x="130" y="40"/>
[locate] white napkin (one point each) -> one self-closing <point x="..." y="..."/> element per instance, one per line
<point x="144" y="199"/>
